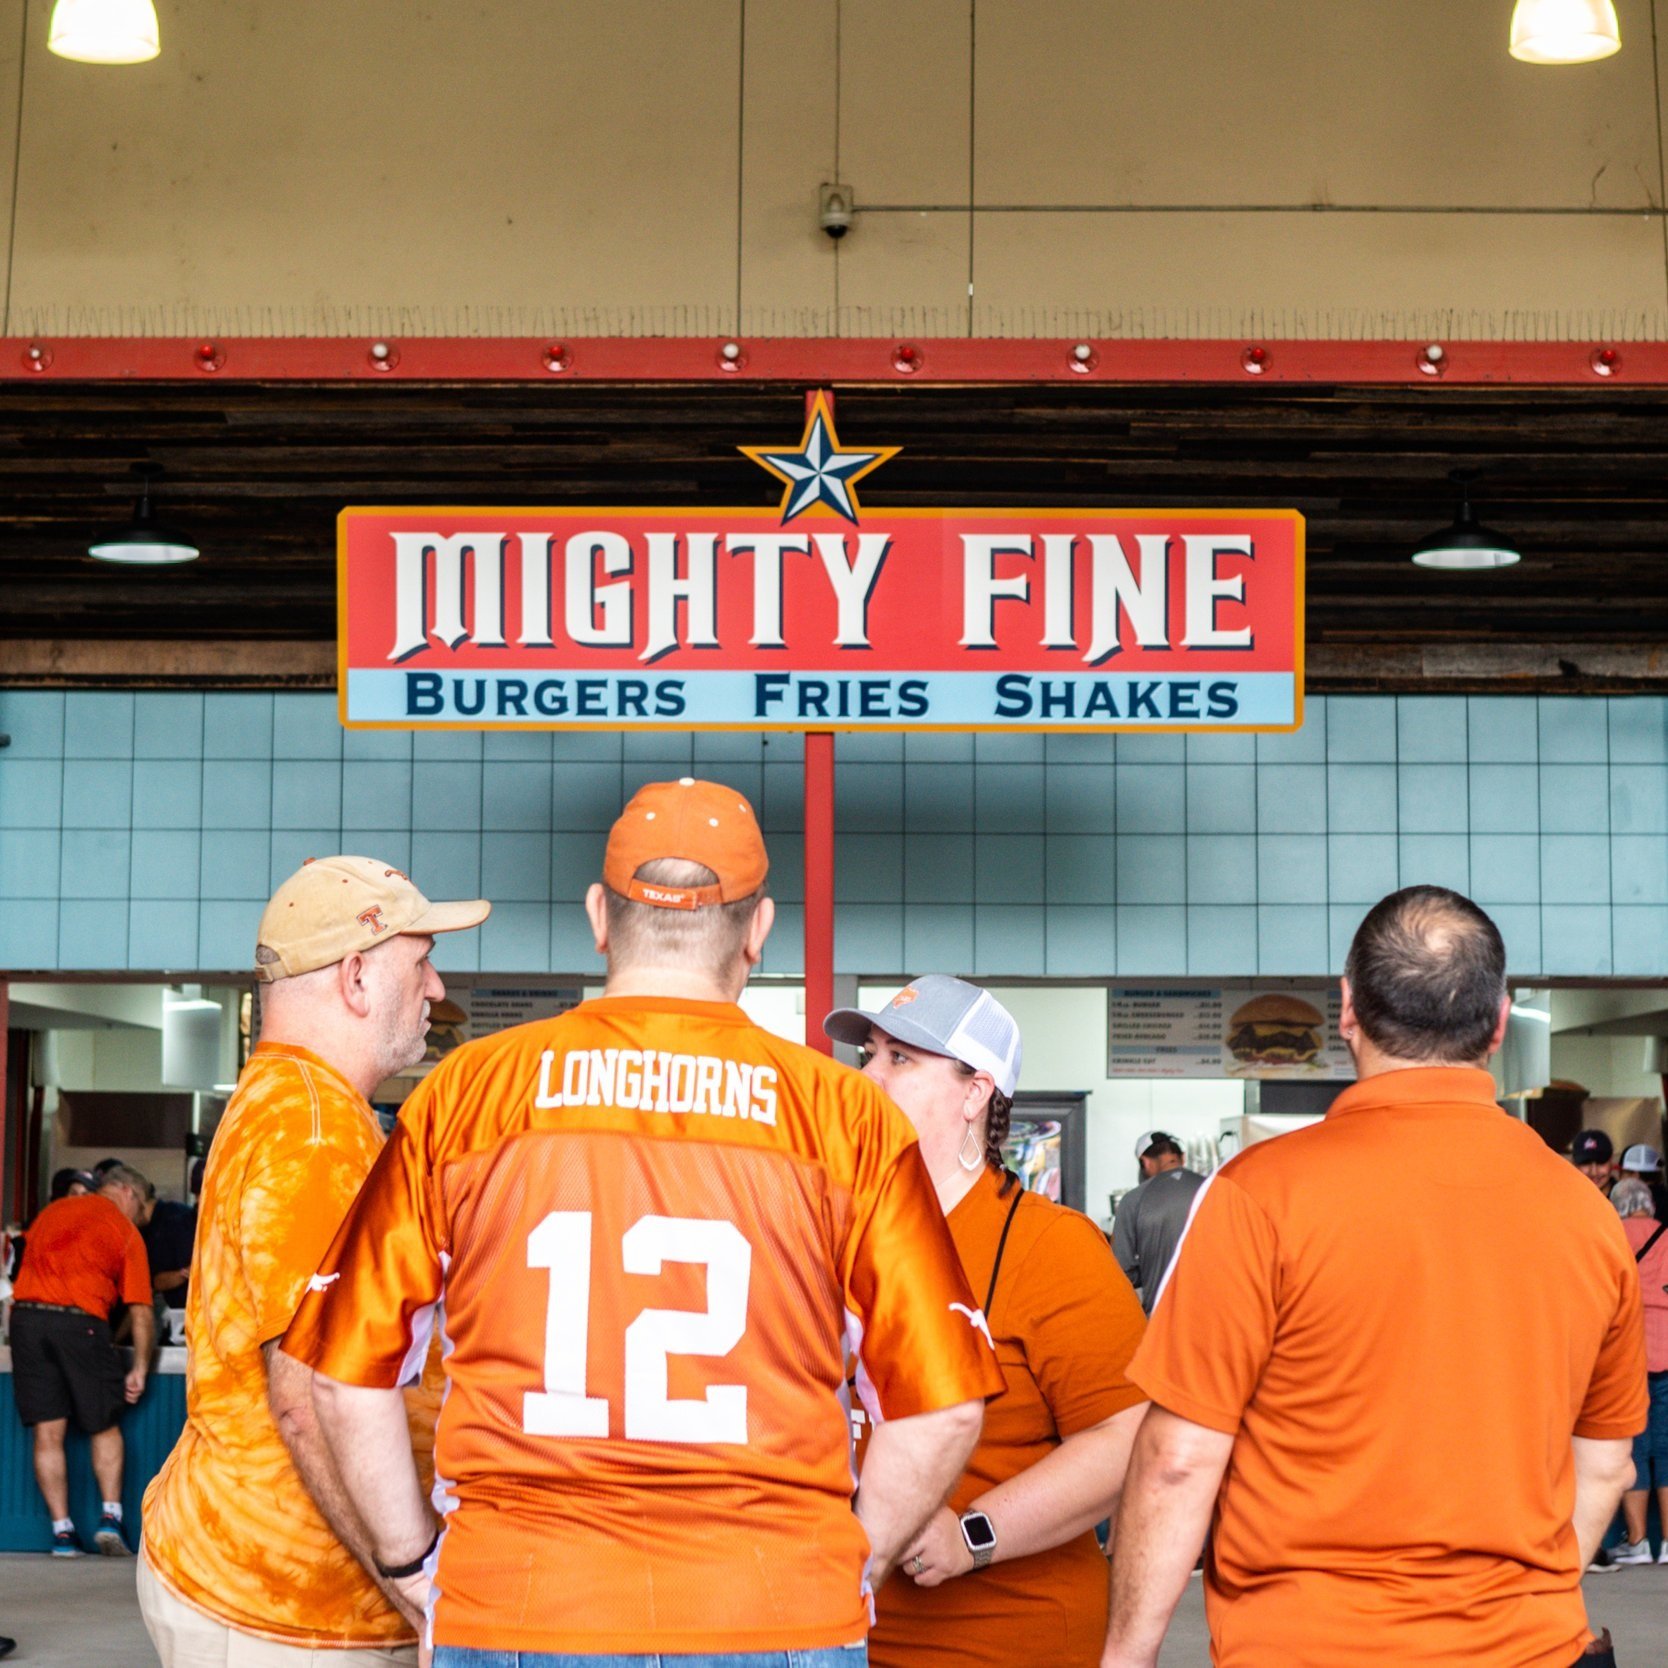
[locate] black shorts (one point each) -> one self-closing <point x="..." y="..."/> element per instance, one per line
<point x="64" y="1366"/>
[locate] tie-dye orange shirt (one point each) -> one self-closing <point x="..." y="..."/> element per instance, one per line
<point x="229" y="1527"/>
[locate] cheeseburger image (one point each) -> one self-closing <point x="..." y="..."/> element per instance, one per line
<point x="1276" y="1030"/>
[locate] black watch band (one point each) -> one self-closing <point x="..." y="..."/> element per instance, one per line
<point x="398" y="1572"/>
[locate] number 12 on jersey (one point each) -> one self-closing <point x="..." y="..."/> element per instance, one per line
<point x="562" y="1243"/>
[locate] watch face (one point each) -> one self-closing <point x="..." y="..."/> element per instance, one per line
<point x="977" y="1532"/>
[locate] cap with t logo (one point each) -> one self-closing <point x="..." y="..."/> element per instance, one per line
<point x="942" y="1015"/>
<point x="332" y="907"/>
<point x="695" y="822"/>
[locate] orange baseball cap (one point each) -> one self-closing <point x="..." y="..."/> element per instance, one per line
<point x="700" y="822"/>
<point x="333" y="906"/>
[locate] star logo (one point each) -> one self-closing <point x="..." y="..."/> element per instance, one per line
<point x="822" y="475"/>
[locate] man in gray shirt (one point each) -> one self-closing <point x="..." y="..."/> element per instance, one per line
<point x="1150" y="1219"/>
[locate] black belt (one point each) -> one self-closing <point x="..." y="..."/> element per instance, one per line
<point x="56" y="1308"/>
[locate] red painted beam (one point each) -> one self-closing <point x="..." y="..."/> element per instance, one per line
<point x="819" y="886"/>
<point x="826" y="360"/>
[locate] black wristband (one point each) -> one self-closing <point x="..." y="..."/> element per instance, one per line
<point x="398" y="1572"/>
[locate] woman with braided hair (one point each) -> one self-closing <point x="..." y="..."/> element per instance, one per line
<point x="1009" y="1569"/>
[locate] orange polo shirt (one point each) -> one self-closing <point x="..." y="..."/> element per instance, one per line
<point x="1402" y="1315"/>
<point x="1065" y="1322"/>
<point x="229" y="1525"/>
<point x="83" y="1253"/>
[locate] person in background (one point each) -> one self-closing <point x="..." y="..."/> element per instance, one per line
<point x="1647" y="1233"/>
<point x="1593" y="1153"/>
<point x="1151" y="1216"/>
<point x="251" y="1553"/>
<point x="85" y="1256"/>
<point x="1407" y="1398"/>
<point x="1008" y="1570"/>
<point x="1644" y="1164"/>
<point x="169" y="1233"/>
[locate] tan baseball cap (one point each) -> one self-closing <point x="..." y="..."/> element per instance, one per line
<point x="701" y="822"/>
<point x="333" y="906"/>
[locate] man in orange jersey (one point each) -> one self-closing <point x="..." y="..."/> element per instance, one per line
<point x="656" y="1229"/>
<point x="85" y="1256"/>
<point x="251" y="1551"/>
<point x="1412" y="1415"/>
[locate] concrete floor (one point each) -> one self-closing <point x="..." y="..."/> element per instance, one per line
<point x="74" y="1613"/>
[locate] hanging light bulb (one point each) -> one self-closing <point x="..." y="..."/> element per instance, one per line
<point x="104" y="31"/>
<point x="1466" y="543"/>
<point x="142" y="543"/>
<point x="1564" y="31"/>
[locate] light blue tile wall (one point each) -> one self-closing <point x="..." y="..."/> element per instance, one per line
<point x="143" y="831"/>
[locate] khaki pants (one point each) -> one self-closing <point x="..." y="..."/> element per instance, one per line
<point x="186" y="1638"/>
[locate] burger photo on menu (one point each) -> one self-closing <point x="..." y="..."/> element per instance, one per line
<point x="1276" y="1030"/>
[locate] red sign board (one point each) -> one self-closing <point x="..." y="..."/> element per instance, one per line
<point x="821" y="615"/>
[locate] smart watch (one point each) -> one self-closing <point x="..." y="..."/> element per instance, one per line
<point x="980" y="1535"/>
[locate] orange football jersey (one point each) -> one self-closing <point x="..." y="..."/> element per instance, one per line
<point x="654" y="1231"/>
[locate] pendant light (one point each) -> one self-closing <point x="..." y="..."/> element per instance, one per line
<point x="1466" y="543"/>
<point x="142" y="543"/>
<point x="104" y="31"/>
<point x="1564" y="31"/>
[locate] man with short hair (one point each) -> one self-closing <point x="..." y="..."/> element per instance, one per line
<point x="1150" y="1218"/>
<point x="251" y="1552"/>
<point x="1408" y="1394"/>
<point x="1593" y="1153"/>
<point x="656" y="1230"/>
<point x="85" y="1256"/>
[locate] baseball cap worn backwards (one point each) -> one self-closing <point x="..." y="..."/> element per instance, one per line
<point x="942" y="1015"/>
<point x="332" y="907"/>
<point x="1152" y="1135"/>
<point x="695" y="822"/>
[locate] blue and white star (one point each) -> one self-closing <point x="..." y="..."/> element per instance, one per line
<point x="822" y="474"/>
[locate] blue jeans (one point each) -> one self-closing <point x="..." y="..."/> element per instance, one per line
<point x="837" y="1656"/>
<point x="1650" y="1447"/>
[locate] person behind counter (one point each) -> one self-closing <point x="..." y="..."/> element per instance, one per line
<point x="85" y="1256"/>
<point x="1009" y="1571"/>
<point x="249" y="1552"/>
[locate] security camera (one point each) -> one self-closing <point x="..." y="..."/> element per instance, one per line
<point x="834" y="210"/>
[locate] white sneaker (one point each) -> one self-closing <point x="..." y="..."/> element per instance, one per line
<point x="1631" y="1552"/>
<point x="1662" y="1556"/>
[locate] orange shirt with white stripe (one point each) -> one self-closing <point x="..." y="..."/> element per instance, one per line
<point x="229" y="1527"/>
<point x="1066" y="1322"/>
<point x="1402" y="1315"/>
<point x="656" y="1229"/>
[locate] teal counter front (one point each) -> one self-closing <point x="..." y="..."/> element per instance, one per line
<point x="150" y="1429"/>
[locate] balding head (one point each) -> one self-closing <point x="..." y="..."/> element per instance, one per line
<point x="1427" y="977"/>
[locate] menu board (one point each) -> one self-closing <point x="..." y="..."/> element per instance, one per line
<point x="470" y="1010"/>
<point x="1239" y="1028"/>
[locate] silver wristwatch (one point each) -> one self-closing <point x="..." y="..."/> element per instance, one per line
<point x="980" y="1535"/>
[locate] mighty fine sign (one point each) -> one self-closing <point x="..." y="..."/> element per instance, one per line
<point x="818" y="615"/>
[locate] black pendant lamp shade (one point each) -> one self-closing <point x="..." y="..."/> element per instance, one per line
<point x="1466" y="543"/>
<point x="143" y="543"/>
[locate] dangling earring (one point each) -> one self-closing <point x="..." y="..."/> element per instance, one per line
<point x="972" y="1153"/>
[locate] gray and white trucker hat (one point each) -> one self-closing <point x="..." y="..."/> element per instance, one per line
<point x="942" y="1016"/>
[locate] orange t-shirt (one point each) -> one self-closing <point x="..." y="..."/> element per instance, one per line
<point x="655" y="1229"/>
<point x="83" y="1253"/>
<point x="229" y="1525"/>
<point x="1402" y="1315"/>
<point x="1065" y="1322"/>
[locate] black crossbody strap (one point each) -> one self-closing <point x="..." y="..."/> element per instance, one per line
<point x="1639" y="1255"/>
<point x="1002" y="1243"/>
